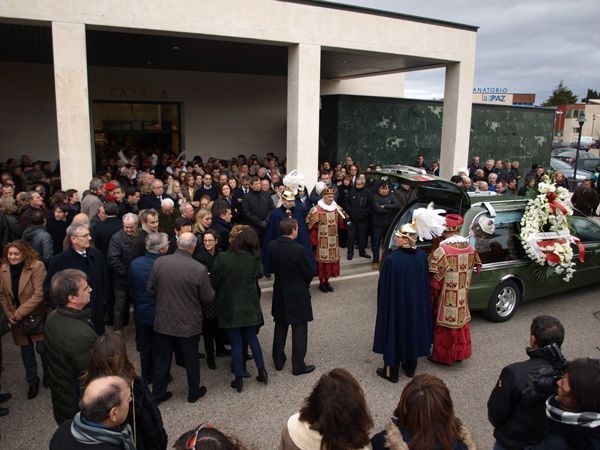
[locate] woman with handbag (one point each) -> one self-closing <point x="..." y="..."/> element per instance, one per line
<point x="109" y="357"/>
<point x="22" y="277"/>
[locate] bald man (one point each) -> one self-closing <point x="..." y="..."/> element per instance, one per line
<point x="104" y="408"/>
<point x="180" y="285"/>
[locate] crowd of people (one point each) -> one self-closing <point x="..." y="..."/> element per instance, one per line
<point x="184" y="243"/>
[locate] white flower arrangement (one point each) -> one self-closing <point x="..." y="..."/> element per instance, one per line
<point x="549" y="208"/>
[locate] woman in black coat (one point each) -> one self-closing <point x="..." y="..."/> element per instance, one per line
<point x="213" y="337"/>
<point x="109" y="357"/>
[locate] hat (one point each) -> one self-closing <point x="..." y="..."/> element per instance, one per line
<point x="407" y="231"/>
<point x="322" y="189"/>
<point x="453" y="222"/>
<point x="288" y="195"/>
<point x="487" y="224"/>
<point x="110" y="186"/>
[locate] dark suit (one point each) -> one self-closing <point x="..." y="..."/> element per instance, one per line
<point x="104" y="231"/>
<point x="291" y="299"/>
<point x="94" y="267"/>
<point x="151" y="201"/>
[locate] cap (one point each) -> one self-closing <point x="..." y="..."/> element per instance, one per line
<point x="453" y="222"/>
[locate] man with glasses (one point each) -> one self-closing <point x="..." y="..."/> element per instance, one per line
<point x="68" y="339"/>
<point x="154" y="199"/>
<point x="83" y="257"/>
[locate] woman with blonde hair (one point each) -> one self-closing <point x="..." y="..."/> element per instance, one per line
<point x="22" y="277"/>
<point x="424" y="419"/>
<point x="203" y="222"/>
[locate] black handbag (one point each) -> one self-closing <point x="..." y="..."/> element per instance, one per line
<point x="33" y="323"/>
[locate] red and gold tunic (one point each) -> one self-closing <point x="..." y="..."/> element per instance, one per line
<point x="451" y="267"/>
<point x="323" y="227"/>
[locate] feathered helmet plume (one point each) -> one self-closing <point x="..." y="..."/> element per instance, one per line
<point x="294" y="181"/>
<point x="429" y="222"/>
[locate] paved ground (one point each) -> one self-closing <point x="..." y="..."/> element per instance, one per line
<point x="340" y="336"/>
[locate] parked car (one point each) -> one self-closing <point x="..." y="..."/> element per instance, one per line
<point x="507" y="278"/>
<point x="586" y="142"/>
<point x="568" y="155"/>
<point x="582" y="174"/>
<point x="587" y="164"/>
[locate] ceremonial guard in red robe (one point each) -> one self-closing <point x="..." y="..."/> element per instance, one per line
<point x="451" y="266"/>
<point x="324" y="219"/>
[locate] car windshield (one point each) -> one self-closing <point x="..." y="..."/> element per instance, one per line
<point x="557" y="164"/>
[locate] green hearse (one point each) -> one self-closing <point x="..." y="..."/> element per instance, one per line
<point x="508" y="276"/>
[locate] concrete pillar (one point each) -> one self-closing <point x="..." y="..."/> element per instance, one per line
<point x="72" y="105"/>
<point x="456" y="124"/>
<point x="303" y="102"/>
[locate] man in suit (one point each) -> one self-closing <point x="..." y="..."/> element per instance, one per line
<point x="291" y="297"/>
<point x="105" y="230"/>
<point x="154" y="199"/>
<point x="82" y="256"/>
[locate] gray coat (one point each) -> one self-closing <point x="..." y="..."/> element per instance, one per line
<point x="180" y="284"/>
<point x="41" y="241"/>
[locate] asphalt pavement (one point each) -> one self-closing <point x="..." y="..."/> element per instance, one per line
<point x="340" y="336"/>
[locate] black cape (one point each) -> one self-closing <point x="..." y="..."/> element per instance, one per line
<point x="403" y="328"/>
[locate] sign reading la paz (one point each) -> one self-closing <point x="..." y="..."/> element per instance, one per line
<point x="490" y="90"/>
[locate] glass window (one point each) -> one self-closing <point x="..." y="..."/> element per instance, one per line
<point x="585" y="229"/>
<point x="501" y="245"/>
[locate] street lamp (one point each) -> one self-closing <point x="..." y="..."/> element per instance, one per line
<point x="581" y="120"/>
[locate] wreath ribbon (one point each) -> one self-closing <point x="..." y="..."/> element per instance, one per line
<point x="554" y="205"/>
<point x="553" y="257"/>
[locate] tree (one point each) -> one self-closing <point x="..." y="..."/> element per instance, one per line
<point x="562" y="95"/>
<point x="591" y="93"/>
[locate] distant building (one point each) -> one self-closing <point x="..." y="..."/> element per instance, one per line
<point x="501" y="96"/>
<point x="567" y="126"/>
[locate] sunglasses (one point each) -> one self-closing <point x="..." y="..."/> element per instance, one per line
<point x="191" y="442"/>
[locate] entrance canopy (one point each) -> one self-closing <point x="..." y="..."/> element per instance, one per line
<point x="300" y="42"/>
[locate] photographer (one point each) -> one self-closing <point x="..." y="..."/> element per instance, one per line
<point x="516" y="405"/>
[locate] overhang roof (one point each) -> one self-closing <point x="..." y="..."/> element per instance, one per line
<point x="33" y="44"/>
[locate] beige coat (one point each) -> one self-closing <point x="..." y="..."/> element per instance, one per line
<point x="31" y="297"/>
<point x="298" y="435"/>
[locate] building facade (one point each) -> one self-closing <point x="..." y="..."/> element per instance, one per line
<point x="217" y="77"/>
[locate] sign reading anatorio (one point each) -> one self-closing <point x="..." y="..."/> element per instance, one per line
<point x="490" y="90"/>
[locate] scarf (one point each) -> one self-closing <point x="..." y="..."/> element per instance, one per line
<point x="89" y="434"/>
<point x="580" y="419"/>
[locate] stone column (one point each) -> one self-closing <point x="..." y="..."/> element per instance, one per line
<point x="456" y="124"/>
<point x="303" y="103"/>
<point x="72" y="105"/>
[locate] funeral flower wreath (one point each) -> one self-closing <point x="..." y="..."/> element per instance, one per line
<point x="545" y="233"/>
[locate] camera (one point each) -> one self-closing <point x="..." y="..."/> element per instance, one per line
<point x="541" y="382"/>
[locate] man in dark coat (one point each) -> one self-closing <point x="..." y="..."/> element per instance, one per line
<point x="585" y="198"/>
<point x="91" y="262"/>
<point x="385" y="207"/>
<point x="154" y="199"/>
<point x="403" y="327"/>
<point x="291" y="296"/>
<point x="257" y="206"/>
<point x="207" y="188"/>
<point x="68" y="340"/>
<point x="222" y="225"/>
<point x="180" y="285"/>
<point x="118" y="259"/>
<point x="358" y="206"/>
<point x="518" y="414"/>
<point x="105" y="230"/>
<point x="145" y="303"/>
<point x="291" y="208"/>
